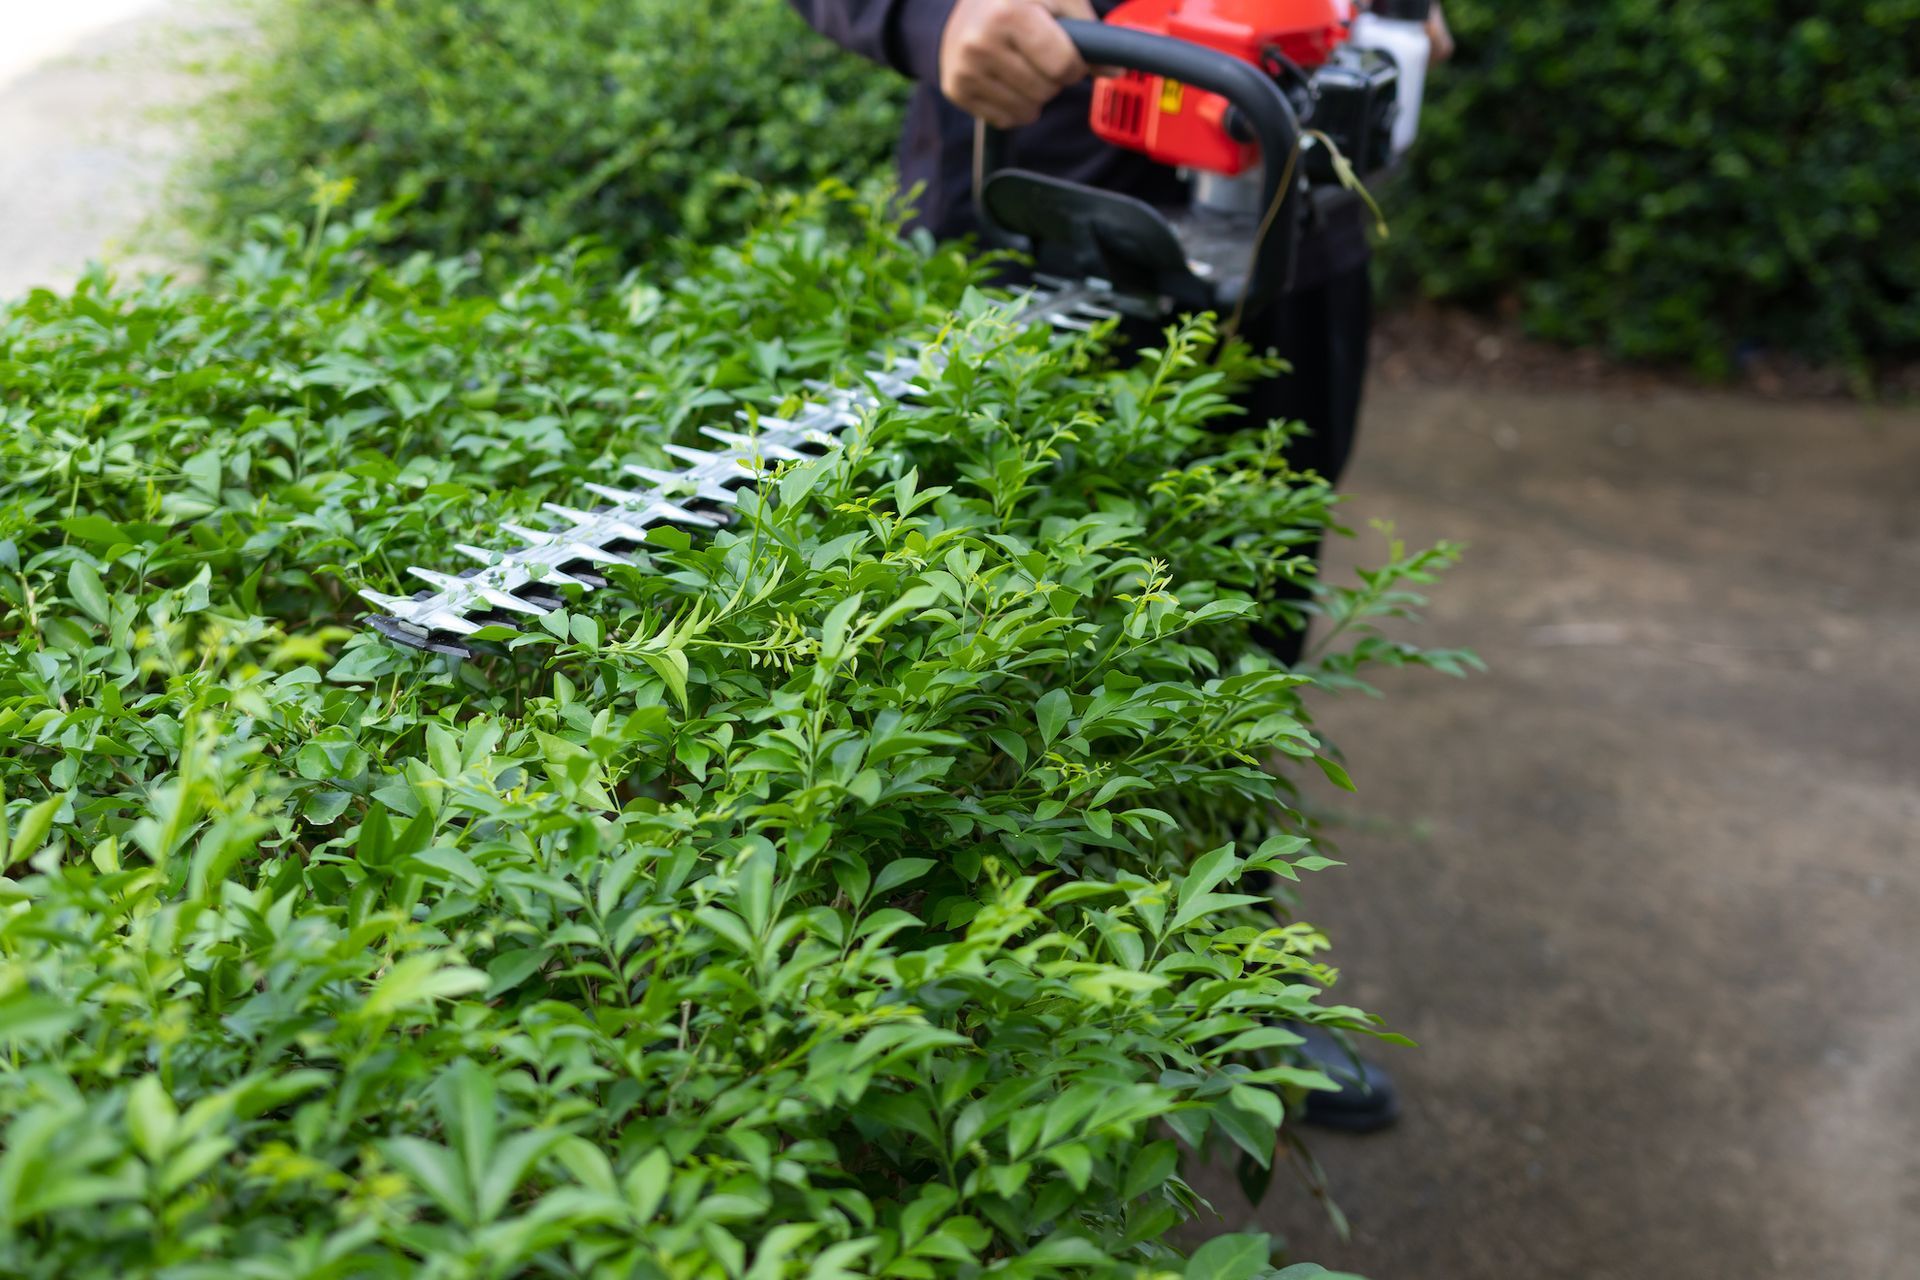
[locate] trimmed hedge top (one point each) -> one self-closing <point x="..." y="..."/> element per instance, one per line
<point x="862" y="891"/>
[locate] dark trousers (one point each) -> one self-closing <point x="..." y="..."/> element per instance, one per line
<point x="1323" y="332"/>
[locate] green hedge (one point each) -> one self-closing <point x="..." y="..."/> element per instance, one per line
<point x="858" y="891"/>
<point x="1677" y="180"/>
<point x="515" y="127"/>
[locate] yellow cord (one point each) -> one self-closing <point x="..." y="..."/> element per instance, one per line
<point x="979" y="157"/>
<point x="1260" y="242"/>
<point x="1348" y="179"/>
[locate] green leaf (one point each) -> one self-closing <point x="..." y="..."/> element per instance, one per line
<point x="31" y="834"/>
<point x="420" y="980"/>
<point x="1335" y="774"/>
<point x="671" y="667"/>
<point x="756" y="889"/>
<point x="588" y="1164"/>
<point x="507" y="1169"/>
<point x="1239" y="1256"/>
<point x="901" y="871"/>
<point x="645" y="1185"/>
<point x="1053" y="710"/>
<point x="1206" y="904"/>
<point x="1075" y="1161"/>
<point x="151" y="1118"/>
<point x="833" y="633"/>
<point x="83" y="585"/>
<point x="468" y="1105"/>
<point x="96" y="529"/>
<point x="435" y="1170"/>
<point x="510" y="969"/>
<point x="30" y="1019"/>
<point x="1151" y="1168"/>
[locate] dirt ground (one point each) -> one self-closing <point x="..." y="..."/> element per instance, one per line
<point x="1648" y="892"/>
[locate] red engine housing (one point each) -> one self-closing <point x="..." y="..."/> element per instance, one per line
<point x="1187" y="127"/>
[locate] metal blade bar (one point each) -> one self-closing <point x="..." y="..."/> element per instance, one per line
<point x="550" y="565"/>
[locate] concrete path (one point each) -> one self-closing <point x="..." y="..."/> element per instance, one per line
<point x="86" y="140"/>
<point x="37" y="32"/>
<point x="1648" y="894"/>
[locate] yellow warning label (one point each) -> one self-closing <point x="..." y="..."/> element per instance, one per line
<point x="1171" y="94"/>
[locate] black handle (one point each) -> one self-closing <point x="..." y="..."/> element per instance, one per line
<point x="1262" y="106"/>
<point x="1403" y="10"/>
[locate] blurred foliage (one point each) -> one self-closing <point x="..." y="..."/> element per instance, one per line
<point x="516" y="128"/>
<point x="1666" y="181"/>
<point x="1680" y="180"/>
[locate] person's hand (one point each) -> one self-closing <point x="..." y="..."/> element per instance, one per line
<point x="1003" y="60"/>
<point x="1439" y="33"/>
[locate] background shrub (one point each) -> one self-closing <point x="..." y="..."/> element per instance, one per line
<point x="859" y="891"/>
<point x="1665" y="181"/>
<point x="1675" y="180"/>
<point x="516" y="128"/>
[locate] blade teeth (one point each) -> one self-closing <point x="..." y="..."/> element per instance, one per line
<point x="533" y="537"/>
<point x="548" y="552"/>
<point x="650" y="507"/>
<point x="444" y="619"/>
<point x="704" y="460"/>
<point x="667" y="511"/>
<point x="747" y="455"/>
<point x="829" y="420"/>
<point x="705" y="489"/>
<point x="843" y="400"/>
<point x="620" y="497"/>
<point x="894" y="385"/>
<point x="434" y="615"/>
<point x="754" y="447"/>
<point x="786" y="433"/>
<point x="429" y="614"/>
<point x="511" y="603"/>
<point x="593" y="554"/>
<point x="445" y="583"/>
<point x="545" y="575"/>
<point x="663" y="479"/>
<point x="386" y="603"/>
<point x="608" y="524"/>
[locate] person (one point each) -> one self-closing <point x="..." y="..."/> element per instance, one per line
<point x="1008" y="62"/>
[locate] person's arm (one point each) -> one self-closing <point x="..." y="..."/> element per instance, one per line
<point x="1001" y="60"/>
<point x="902" y="34"/>
<point x="1439" y="33"/>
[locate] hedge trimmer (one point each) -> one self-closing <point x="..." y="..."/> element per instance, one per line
<point x="1261" y="102"/>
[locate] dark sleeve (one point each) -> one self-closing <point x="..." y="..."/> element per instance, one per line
<point x="902" y="34"/>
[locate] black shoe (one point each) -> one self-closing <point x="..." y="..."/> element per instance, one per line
<point x="1366" y="1102"/>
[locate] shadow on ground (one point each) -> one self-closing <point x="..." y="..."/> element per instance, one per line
<point x="1648" y="893"/>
